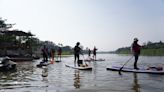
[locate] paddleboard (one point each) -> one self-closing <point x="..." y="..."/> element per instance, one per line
<point x="80" y="68"/>
<point x="94" y="60"/>
<point x="43" y="64"/>
<point x="127" y="69"/>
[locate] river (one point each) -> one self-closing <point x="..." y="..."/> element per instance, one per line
<point x="28" y="78"/>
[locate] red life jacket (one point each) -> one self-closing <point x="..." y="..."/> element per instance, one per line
<point x="136" y="48"/>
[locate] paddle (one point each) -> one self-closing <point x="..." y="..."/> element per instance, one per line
<point x="124" y="65"/>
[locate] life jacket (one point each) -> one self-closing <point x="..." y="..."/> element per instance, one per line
<point x="136" y="48"/>
<point x="77" y="50"/>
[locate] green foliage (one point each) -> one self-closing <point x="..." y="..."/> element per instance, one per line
<point x="31" y="43"/>
<point x="67" y="53"/>
<point x="7" y="38"/>
<point x="124" y="50"/>
<point x="150" y="49"/>
<point x="2" y="23"/>
<point x="153" y="52"/>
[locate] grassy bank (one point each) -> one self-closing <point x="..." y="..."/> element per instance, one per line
<point x="67" y="53"/>
<point x="153" y="52"/>
<point x="145" y="52"/>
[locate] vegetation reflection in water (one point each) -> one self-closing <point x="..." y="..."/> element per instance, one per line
<point x="77" y="79"/>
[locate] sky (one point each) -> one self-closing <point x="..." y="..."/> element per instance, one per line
<point x="106" y="24"/>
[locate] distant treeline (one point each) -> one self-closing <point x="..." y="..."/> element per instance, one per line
<point x="149" y="48"/>
<point x="33" y="43"/>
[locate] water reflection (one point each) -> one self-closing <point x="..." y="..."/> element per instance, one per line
<point x="44" y="71"/>
<point x="28" y="78"/>
<point x="45" y="79"/>
<point x="77" y="79"/>
<point x="4" y="76"/>
<point x="23" y="70"/>
<point x="136" y="86"/>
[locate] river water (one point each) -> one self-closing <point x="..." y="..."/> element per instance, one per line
<point x="28" y="78"/>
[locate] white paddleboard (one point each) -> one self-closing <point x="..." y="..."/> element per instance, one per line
<point x="80" y="68"/>
<point x="127" y="69"/>
<point x="94" y="60"/>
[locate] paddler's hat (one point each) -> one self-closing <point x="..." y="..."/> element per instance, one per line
<point x="135" y="39"/>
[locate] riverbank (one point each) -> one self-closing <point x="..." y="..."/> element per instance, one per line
<point x="145" y="52"/>
<point x="149" y="49"/>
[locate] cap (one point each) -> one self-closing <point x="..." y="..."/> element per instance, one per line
<point x="78" y="43"/>
<point x="135" y="39"/>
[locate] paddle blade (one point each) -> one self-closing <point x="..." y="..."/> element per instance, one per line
<point x="119" y="72"/>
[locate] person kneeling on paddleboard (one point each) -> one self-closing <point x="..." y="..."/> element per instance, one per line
<point x="136" y="51"/>
<point x="158" y="68"/>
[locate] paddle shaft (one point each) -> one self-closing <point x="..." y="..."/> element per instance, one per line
<point x="83" y="59"/>
<point x="125" y="64"/>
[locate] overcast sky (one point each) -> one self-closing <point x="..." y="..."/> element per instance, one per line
<point x="106" y="24"/>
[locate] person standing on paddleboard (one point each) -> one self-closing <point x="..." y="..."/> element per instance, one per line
<point x="59" y="52"/>
<point x="89" y="53"/>
<point x="136" y="51"/>
<point x="94" y="53"/>
<point x="52" y="55"/>
<point x="77" y="51"/>
<point x="45" y="53"/>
